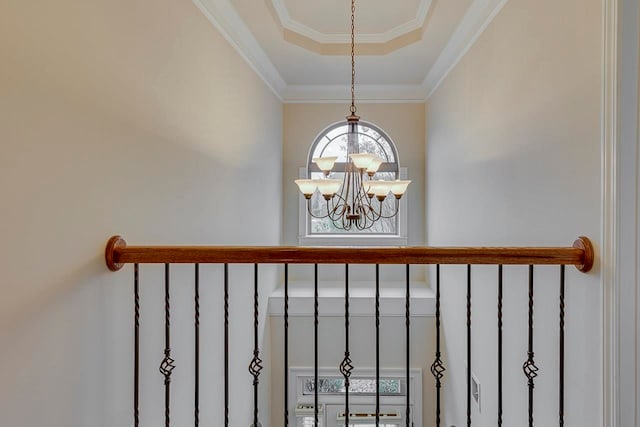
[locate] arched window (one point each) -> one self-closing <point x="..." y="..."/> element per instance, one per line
<point x="332" y="141"/>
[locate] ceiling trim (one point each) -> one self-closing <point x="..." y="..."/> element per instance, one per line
<point x="329" y="38"/>
<point x="475" y="21"/>
<point x="324" y="94"/>
<point x="226" y="20"/>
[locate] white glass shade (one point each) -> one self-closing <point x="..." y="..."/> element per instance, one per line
<point x="329" y="187"/>
<point x="399" y="187"/>
<point x="325" y="163"/>
<point x="362" y="161"/>
<point x="307" y="186"/>
<point x="375" y="164"/>
<point x="380" y="188"/>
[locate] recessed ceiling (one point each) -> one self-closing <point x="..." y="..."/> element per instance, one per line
<point x="300" y="47"/>
<point x="328" y="21"/>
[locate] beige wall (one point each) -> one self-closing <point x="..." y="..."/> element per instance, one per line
<point x="404" y="123"/>
<point x="123" y="117"/>
<point x="513" y="143"/>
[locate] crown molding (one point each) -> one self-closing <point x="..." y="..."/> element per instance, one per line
<point x="226" y="20"/>
<point x="308" y="94"/>
<point x="475" y="21"/>
<point x="291" y="24"/>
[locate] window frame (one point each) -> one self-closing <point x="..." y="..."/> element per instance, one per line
<point x="306" y="238"/>
<point x="297" y="377"/>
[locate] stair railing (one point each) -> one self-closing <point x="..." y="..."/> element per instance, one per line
<point x="118" y="254"/>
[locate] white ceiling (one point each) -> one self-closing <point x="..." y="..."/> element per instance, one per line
<point x="300" y="47"/>
<point x="329" y="20"/>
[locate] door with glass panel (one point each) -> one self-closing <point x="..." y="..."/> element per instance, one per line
<point x="364" y="416"/>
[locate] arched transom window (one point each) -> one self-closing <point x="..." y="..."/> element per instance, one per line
<point x="333" y="142"/>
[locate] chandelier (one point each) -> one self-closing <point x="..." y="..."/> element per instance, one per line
<point x="356" y="201"/>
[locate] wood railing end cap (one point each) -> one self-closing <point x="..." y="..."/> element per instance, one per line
<point x="585" y="244"/>
<point x="110" y="253"/>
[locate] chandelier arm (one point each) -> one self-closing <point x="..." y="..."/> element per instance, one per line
<point x="395" y="211"/>
<point x="336" y="211"/>
<point x="362" y="223"/>
<point x="341" y="198"/>
<point x="346" y="224"/>
<point x="353" y="186"/>
<point x="311" y="212"/>
<point x="362" y="193"/>
<point x="367" y="206"/>
<point x="365" y="223"/>
<point x="375" y="215"/>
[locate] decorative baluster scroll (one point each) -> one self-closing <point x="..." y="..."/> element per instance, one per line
<point x="437" y="368"/>
<point x="286" y="345"/>
<point x="168" y="364"/>
<point x="346" y="367"/>
<point x="530" y="369"/>
<point x="256" y="363"/>
<point x="469" y="345"/>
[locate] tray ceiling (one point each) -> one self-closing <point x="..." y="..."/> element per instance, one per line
<point x="328" y="21"/>
<point x="300" y="47"/>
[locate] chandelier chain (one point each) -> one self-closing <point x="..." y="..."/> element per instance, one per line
<point x="350" y="203"/>
<point x="353" y="57"/>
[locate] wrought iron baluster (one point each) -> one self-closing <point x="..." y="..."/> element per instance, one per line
<point x="226" y="345"/>
<point x="286" y="345"/>
<point x="561" y="373"/>
<point x="408" y="349"/>
<point x="530" y="369"/>
<point x="136" y="346"/>
<point x="469" y="345"/>
<point x="500" y="300"/>
<point x="437" y="368"/>
<point x="346" y="367"/>
<point x="377" y="345"/>
<point x="196" y="409"/>
<point x="256" y="363"/>
<point x="315" y="346"/>
<point x="168" y="364"/>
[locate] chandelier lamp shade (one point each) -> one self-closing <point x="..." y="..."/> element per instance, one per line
<point x="358" y="200"/>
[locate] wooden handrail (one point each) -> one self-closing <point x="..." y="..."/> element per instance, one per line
<point x="118" y="253"/>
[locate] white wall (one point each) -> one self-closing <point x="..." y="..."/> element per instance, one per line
<point x="629" y="232"/>
<point x="513" y="158"/>
<point x="124" y="117"/>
